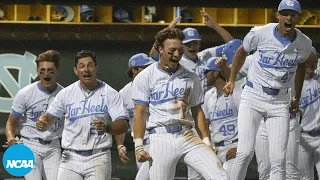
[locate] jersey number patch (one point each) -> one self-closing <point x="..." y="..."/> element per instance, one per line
<point x="227" y="130"/>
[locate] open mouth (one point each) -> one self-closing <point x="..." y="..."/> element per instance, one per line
<point x="288" y="25"/>
<point x="174" y="61"/>
<point x="47" y="79"/>
<point x="87" y="76"/>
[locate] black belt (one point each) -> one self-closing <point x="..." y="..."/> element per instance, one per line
<point x="89" y="152"/>
<point x="312" y="133"/>
<point x="266" y="90"/>
<point x="41" y="141"/>
<point x="223" y="143"/>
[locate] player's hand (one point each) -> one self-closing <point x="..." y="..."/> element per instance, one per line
<point x="174" y="23"/>
<point x="231" y="154"/>
<point x="208" y="20"/>
<point x="41" y="124"/>
<point x="215" y="150"/>
<point x="221" y="62"/>
<point x="142" y="156"/>
<point x="100" y="126"/>
<point x="294" y="107"/>
<point x="228" y="88"/>
<point x="123" y="154"/>
<point x="11" y="141"/>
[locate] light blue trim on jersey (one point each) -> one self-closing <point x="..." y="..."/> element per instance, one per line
<point x="284" y="41"/>
<point x="93" y="91"/>
<point x="15" y="114"/>
<point x="304" y="106"/>
<point x="223" y="117"/>
<point x="72" y="119"/>
<point x="163" y="101"/>
<point x="193" y="60"/>
<point x="51" y="115"/>
<point x="139" y="102"/>
<point x="122" y="117"/>
<point x="44" y="91"/>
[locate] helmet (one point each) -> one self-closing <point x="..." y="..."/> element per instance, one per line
<point x="230" y="49"/>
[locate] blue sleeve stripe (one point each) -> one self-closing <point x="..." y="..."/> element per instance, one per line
<point x="122" y="117"/>
<point x="15" y="114"/>
<point x="144" y="103"/>
<point x="51" y="115"/>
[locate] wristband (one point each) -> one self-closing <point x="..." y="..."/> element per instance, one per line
<point x="138" y="142"/>
<point x="206" y="140"/>
<point x="120" y="146"/>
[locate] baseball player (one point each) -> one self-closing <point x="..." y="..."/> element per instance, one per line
<point x="221" y="113"/>
<point x="94" y="111"/>
<point x="262" y="143"/>
<point x="309" y="149"/>
<point x="28" y="105"/>
<point x="280" y="52"/>
<point x="136" y="64"/>
<point x="173" y="96"/>
<point x="192" y="57"/>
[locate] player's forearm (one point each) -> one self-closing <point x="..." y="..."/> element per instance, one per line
<point x="237" y="63"/>
<point x="119" y="127"/>
<point x="120" y="139"/>
<point x="153" y="51"/>
<point x="225" y="35"/>
<point x="139" y="126"/>
<point x="225" y="71"/>
<point x="11" y="128"/>
<point x="200" y="122"/>
<point x="299" y="80"/>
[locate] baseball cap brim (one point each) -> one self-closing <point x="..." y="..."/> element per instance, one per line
<point x="188" y="40"/>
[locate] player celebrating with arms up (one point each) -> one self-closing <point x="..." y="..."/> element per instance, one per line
<point x="90" y="106"/>
<point x="280" y="52"/>
<point x="170" y="91"/>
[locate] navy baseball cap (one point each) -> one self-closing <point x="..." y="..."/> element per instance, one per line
<point x="230" y="49"/>
<point x="289" y="4"/>
<point x="211" y="65"/>
<point x="191" y="34"/>
<point x="121" y="15"/>
<point x="139" y="60"/>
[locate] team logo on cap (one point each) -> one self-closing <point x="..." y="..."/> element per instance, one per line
<point x="290" y="3"/>
<point x="190" y="33"/>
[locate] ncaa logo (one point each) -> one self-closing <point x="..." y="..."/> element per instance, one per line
<point x="18" y="160"/>
<point x="290" y="3"/>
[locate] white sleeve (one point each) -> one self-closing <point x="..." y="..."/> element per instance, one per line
<point x="211" y="52"/>
<point x="307" y="50"/>
<point x="236" y="96"/>
<point x="19" y="104"/>
<point x="250" y="41"/>
<point x="141" y="90"/>
<point x="116" y="108"/>
<point x="196" y="93"/>
<point x="57" y="107"/>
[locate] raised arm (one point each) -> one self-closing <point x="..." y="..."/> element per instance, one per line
<point x="225" y="35"/>
<point x="172" y="25"/>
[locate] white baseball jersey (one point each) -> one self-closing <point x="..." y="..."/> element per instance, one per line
<point x="309" y="104"/>
<point x="81" y="108"/>
<point x="275" y="60"/>
<point x="29" y="104"/>
<point x="203" y="57"/>
<point x="222" y="112"/>
<point x="168" y="95"/>
<point x="245" y="68"/>
<point x="126" y="95"/>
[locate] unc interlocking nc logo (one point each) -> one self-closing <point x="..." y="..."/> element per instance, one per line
<point x="27" y="68"/>
<point x="290" y="3"/>
<point x="190" y="33"/>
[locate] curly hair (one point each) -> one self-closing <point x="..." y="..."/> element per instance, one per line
<point x="167" y="33"/>
<point x="49" y="56"/>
